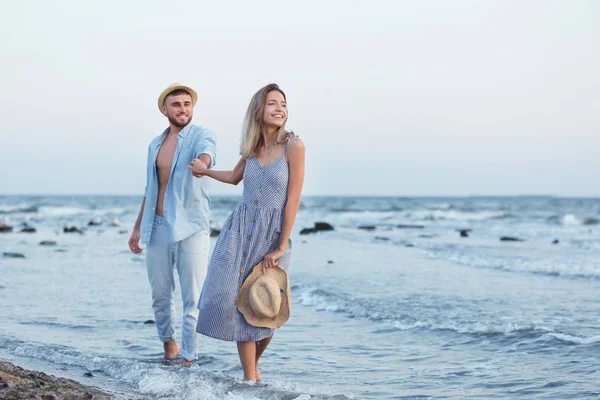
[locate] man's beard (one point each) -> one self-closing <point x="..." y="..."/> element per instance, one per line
<point x="178" y="124"/>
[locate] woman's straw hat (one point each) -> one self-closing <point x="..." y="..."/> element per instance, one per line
<point x="174" y="87"/>
<point x="265" y="299"/>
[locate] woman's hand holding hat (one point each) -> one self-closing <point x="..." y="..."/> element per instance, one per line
<point x="271" y="259"/>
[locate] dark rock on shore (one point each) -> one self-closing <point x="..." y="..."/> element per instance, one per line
<point x="511" y="239"/>
<point x="95" y="222"/>
<point x="590" y="221"/>
<point x="88" y="374"/>
<point x="329" y="261"/>
<point x="13" y="255"/>
<point x="72" y="229"/>
<point x="28" y="229"/>
<point x="410" y="226"/>
<point x="367" y="227"/>
<point x="19" y="384"/>
<point x="555" y="241"/>
<point x="149" y="322"/>
<point x="319" y="226"/>
<point x="48" y="243"/>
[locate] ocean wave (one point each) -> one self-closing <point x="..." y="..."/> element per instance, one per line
<point x="566" y="267"/>
<point x="65" y="211"/>
<point x="455" y="215"/>
<point x="17" y="208"/>
<point x="574" y="339"/>
<point x="162" y="380"/>
<point x="387" y="313"/>
<point x="571" y="219"/>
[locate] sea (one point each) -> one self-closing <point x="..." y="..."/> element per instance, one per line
<point x="406" y="298"/>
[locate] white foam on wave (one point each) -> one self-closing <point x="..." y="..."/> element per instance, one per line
<point x="388" y="315"/>
<point x="50" y="211"/>
<point x="575" y="339"/>
<point x="434" y="215"/>
<point x="571" y="219"/>
<point x="158" y="380"/>
<point x="565" y="267"/>
<point x="15" y="208"/>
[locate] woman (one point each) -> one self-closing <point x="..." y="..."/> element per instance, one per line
<point x="259" y="229"/>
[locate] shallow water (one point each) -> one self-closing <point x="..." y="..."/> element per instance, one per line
<point x="394" y="312"/>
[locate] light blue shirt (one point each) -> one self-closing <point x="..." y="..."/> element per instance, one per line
<point x="186" y="205"/>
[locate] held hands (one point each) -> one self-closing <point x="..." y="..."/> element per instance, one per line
<point x="134" y="242"/>
<point x="198" y="168"/>
<point x="271" y="260"/>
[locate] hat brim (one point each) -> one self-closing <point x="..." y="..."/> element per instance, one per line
<point x="171" y="89"/>
<point x="281" y="277"/>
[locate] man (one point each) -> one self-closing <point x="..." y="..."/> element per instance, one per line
<point x="173" y="219"/>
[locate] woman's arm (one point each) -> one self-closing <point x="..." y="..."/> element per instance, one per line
<point x="295" y="155"/>
<point x="198" y="168"/>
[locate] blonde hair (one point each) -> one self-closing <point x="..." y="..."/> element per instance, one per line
<point x="252" y="137"/>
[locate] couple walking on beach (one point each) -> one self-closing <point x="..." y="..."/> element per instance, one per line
<point x="242" y="294"/>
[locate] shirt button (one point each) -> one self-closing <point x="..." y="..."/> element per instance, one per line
<point x="259" y="185"/>
<point x="255" y="201"/>
<point x="252" y="220"/>
<point x="245" y="254"/>
<point x="241" y="271"/>
<point x="249" y="237"/>
<point x="235" y="302"/>
<point x="232" y="319"/>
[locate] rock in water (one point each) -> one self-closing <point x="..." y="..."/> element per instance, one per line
<point x="323" y="226"/>
<point x="464" y="232"/>
<point x="115" y="222"/>
<point x="319" y="226"/>
<point x="72" y="229"/>
<point x="28" y="229"/>
<point x="48" y="243"/>
<point x="95" y="222"/>
<point x="5" y="228"/>
<point x="149" y="322"/>
<point x="410" y="226"/>
<point x="511" y="239"/>
<point x="13" y="255"/>
<point x="367" y="227"/>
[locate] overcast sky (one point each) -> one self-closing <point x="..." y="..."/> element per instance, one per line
<point x="391" y="97"/>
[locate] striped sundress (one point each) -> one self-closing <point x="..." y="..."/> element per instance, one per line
<point x="250" y="232"/>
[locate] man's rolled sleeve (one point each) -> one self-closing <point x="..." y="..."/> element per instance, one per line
<point x="208" y="145"/>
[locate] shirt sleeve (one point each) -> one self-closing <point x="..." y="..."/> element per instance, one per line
<point x="208" y="145"/>
<point x="147" y="169"/>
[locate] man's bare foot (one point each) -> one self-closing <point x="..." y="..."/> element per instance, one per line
<point x="171" y="349"/>
<point x="186" y="363"/>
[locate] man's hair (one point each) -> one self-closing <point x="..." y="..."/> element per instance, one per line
<point x="176" y="93"/>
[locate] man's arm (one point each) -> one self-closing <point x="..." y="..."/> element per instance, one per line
<point x="134" y="240"/>
<point x="207" y="149"/>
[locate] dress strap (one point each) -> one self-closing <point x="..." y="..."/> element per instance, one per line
<point x="291" y="135"/>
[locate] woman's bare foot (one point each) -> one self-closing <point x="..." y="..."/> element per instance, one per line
<point x="171" y="349"/>
<point x="257" y="375"/>
<point x="186" y="363"/>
